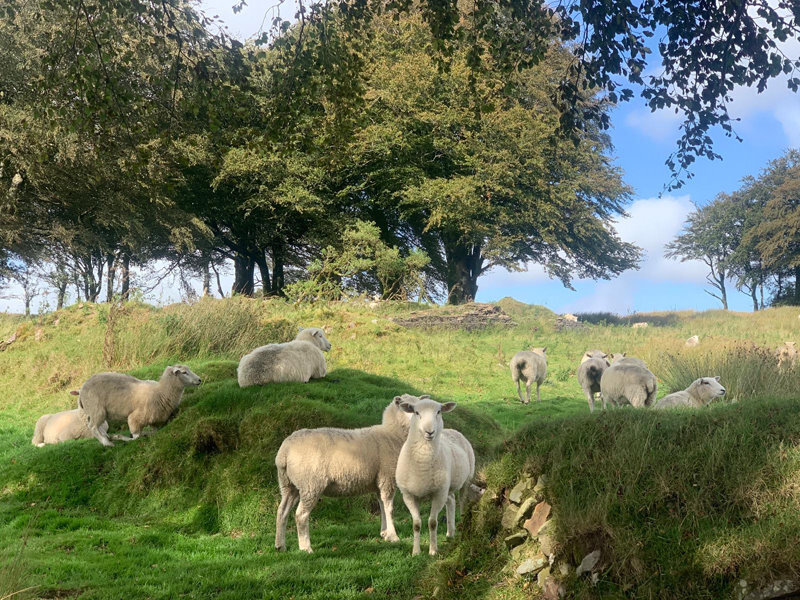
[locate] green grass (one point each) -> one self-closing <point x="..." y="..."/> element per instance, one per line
<point x="190" y="511"/>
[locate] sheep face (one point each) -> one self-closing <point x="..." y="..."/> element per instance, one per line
<point x="540" y="351"/>
<point x="316" y="336"/>
<point x="612" y="358"/>
<point x="185" y="375"/>
<point x="426" y="417"/>
<point x="590" y="354"/>
<point x="708" y="389"/>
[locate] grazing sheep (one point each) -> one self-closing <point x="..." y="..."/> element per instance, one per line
<point x="627" y="382"/>
<point x="298" y="360"/>
<point x="787" y="354"/>
<point x="640" y="325"/>
<point x="62" y="427"/>
<point x="341" y="462"/>
<point x="529" y="366"/>
<point x="700" y="393"/>
<point x="693" y="341"/>
<point x="593" y="363"/>
<point x="434" y="463"/>
<point x="120" y="397"/>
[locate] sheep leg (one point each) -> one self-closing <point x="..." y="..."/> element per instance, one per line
<point x="413" y="508"/>
<point x="289" y="496"/>
<point x="538" y="396"/>
<point x="101" y="436"/>
<point x="437" y="502"/>
<point x="519" y="392"/>
<point x="450" y="508"/>
<point x="528" y="391"/>
<point x="387" y="516"/>
<point x="603" y="400"/>
<point x="590" y="400"/>
<point x="301" y="516"/>
<point x="134" y="424"/>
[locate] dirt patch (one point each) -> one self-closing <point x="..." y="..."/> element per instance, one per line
<point x="468" y="317"/>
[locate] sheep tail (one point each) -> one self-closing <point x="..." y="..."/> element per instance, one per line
<point x="38" y="433"/>
<point x="280" y="464"/>
<point x="651" y="393"/>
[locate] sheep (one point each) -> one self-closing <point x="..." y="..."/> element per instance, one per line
<point x="298" y="360"/>
<point x="593" y="363"/>
<point x="570" y="317"/>
<point x="693" y="341"/>
<point x="434" y="463"/>
<point x="623" y="358"/>
<point x="628" y="382"/>
<point x="786" y="354"/>
<point x="116" y="396"/>
<point x="529" y="366"/>
<point x="700" y="393"/>
<point x="640" y="325"/>
<point x="63" y="426"/>
<point x="340" y="462"/>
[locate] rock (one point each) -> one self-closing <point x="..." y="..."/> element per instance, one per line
<point x="588" y="563"/>
<point x="509" y="517"/>
<point x="515" y="539"/>
<point x="776" y="589"/>
<point x="564" y="569"/>
<point x="538" y="489"/>
<point x="547" y="544"/>
<point x="518" y="491"/>
<point x="519" y="552"/>
<point x="541" y="578"/>
<point x="552" y="589"/>
<point x="469" y="317"/>
<point x="532" y="565"/>
<point x="537" y="520"/>
<point x="525" y="509"/>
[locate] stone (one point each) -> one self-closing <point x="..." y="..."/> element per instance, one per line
<point x="532" y="565"/>
<point x="509" y="517"/>
<point x="588" y="563"/>
<point x="553" y="590"/>
<point x="776" y="589"/>
<point x="564" y="569"/>
<point x="525" y="509"/>
<point x="515" y="539"/>
<point x="541" y="578"/>
<point x="518" y="491"/>
<point x="538" y="518"/>
<point x="538" y="489"/>
<point x="519" y="552"/>
<point x="547" y="544"/>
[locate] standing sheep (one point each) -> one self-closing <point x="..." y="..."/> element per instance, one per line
<point x="700" y="393"/>
<point x="434" y="463"/>
<point x="120" y="397"/>
<point x="62" y="427"/>
<point x="529" y="367"/>
<point x="693" y="341"/>
<point x="298" y="360"/>
<point x="340" y="462"/>
<point x="593" y="364"/>
<point x="623" y="358"/>
<point x="627" y="382"/>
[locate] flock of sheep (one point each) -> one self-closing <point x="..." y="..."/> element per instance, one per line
<point x="409" y="450"/>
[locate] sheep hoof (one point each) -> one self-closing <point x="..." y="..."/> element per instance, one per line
<point x="308" y="550"/>
<point x="415" y="553"/>
<point x="391" y="538"/>
<point x="40" y="445"/>
<point x="280" y="548"/>
<point x="432" y="552"/>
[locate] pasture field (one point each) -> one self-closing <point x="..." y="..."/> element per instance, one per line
<point x="682" y="505"/>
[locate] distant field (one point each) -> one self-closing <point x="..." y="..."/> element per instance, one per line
<point x="190" y="511"/>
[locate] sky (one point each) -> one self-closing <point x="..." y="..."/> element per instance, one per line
<point x="769" y="125"/>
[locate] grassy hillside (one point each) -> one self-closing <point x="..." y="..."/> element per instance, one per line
<point x="190" y="510"/>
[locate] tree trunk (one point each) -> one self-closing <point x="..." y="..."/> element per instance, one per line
<point x="219" y="283"/>
<point x="754" y="296"/>
<point x="110" y="273"/>
<point x="463" y="269"/>
<point x="244" y="269"/>
<point x="263" y="269"/>
<point x="62" y="294"/>
<point x="27" y="305"/>
<point x="207" y="278"/>
<point x="797" y="285"/>
<point x="277" y="269"/>
<point x="125" y="274"/>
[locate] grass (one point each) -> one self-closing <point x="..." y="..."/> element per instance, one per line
<point x="190" y="511"/>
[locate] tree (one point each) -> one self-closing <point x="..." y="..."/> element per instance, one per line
<point x="709" y="236"/>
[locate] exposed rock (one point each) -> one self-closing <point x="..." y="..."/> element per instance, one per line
<point x="515" y="539"/>
<point x="518" y="491"/>
<point x="537" y="520"/>
<point x="780" y="588"/>
<point x="532" y="565"/>
<point x="552" y="589"/>
<point x="588" y="563"/>
<point x="519" y="552"/>
<point x="541" y="578"/>
<point x="525" y="509"/>
<point x="563" y="322"/>
<point x="564" y="569"/>
<point x="469" y="317"/>
<point x="538" y="489"/>
<point x="547" y="543"/>
<point x="509" y="517"/>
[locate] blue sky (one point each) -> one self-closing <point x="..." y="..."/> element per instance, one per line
<point x="769" y="125"/>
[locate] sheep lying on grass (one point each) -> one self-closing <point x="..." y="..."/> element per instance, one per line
<point x="693" y="341"/>
<point x="434" y="463"/>
<point x="593" y="364"/>
<point x="529" y="367"/>
<point x="700" y="393"/>
<point x="62" y="427"/>
<point x="340" y="462"/>
<point x="298" y="360"/>
<point x="787" y="354"/>
<point x="628" y="381"/>
<point x="120" y="397"/>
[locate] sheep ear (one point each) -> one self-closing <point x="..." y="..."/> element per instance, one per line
<point x="624" y="354"/>
<point x="424" y="396"/>
<point x="544" y="349"/>
<point x="588" y="355"/>
<point x="397" y="400"/>
<point x="299" y="328"/>
<point x="605" y="355"/>
<point x="406" y="407"/>
<point x="175" y="370"/>
<point x="448" y="406"/>
<point x="716" y="377"/>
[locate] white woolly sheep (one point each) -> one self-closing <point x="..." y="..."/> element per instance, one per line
<point x="623" y="358"/>
<point x="529" y="366"/>
<point x="700" y="393"/>
<point x="434" y="463"/>
<point x="340" y="462"/>
<point x="298" y="360"/>
<point x="593" y="363"/>
<point x="626" y="382"/>
<point x="640" y="325"/>
<point x="120" y="397"/>
<point x="570" y="317"/>
<point x="62" y="427"/>
<point x="693" y="341"/>
<point x="787" y="354"/>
